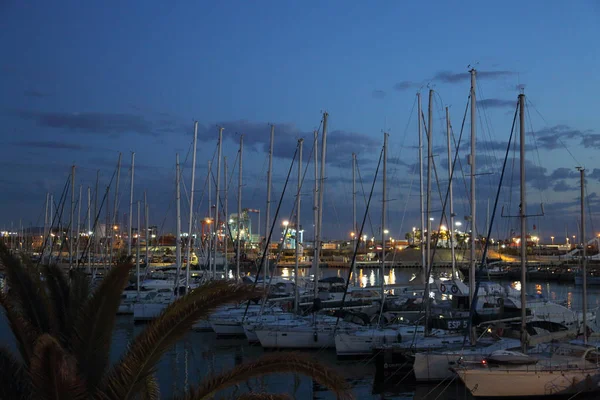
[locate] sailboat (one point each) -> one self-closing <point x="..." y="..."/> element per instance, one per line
<point x="566" y="369"/>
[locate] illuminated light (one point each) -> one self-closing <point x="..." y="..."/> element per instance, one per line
<point x="484" y="362"/>
<point x="489" y="330"/>
<point x="241" y="231"/>
<point x="207" y="220"/>
<point x="115" y="227"/>
<point x="231" y="221"/>
<point x="286" y="223"/>
<point x="352" y="234"/>
<point x="386" y="231"/>
<point x="443" y="228"/>
<point x="458" y="223"/>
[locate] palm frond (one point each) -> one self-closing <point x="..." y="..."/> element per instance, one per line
<point x="53" y="372"/>
<point x="58" y="291"/>
<point x="79" y="293"/>
<point x="24" y="333"/>
<point x="26" y="291"/>
<point x="93" y="328"/>
<point x="273" y="364"/>
<point x="263" y="396"/>
<point x="150" y="389"/>
<point x="14" y="381"/>
<point x="123" y="382"/>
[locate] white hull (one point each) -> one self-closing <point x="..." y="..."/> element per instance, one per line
<point x="227" y="327"/>
<point x="436" y="366"/>
<point x="147" y="311"/>
<point x="296" y="338"/>
<point x="501" y="382"/>
<point x="361" y="342"/>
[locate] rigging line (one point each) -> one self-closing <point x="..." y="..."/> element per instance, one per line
<point x="65" y="188"/>
<point x="527" y="99"/>
<point x="364" y="197"/>
<point x="272" y="228"/>
<point x="406" y="128"/>
<point x="487" y="242"/>
<point x="537" y="150"/>
<point x="405" y="209"/>
<point x="356" y="246"/>
<point x="457" y="149"/>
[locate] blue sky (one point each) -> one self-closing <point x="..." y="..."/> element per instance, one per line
<point x="82" y="81"/>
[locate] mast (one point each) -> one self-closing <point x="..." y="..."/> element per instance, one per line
<point x="130" y="237"/>
<point x="95" y="241"/>
<point x="472" y="265"/>
<point x="316" y="213"/>
<point x="51" y="225"/>
<point x="429" y="261"/>
<point x="268" y="213"/>
<point x="115" y="210"/>
<point x="209" y="244"/>
<point x="147" y="230"/>
<point x="383" y="201"/>
<point x="45" y="225"/>
<point x="72" y="220"/>
<point x="239" y="210"/>
<point x="191" y="220"/>
<point x="218" y="192"/>
<point x="108" y="229"/>
<point x="584" y="258"/>
<point x="523" y="217"/>
<point x="89" y="230"/>
<point x="225" y="211"/>
<point x="450" y="194"/>
<point x="178" y="232"/>
<point x="78" y="227"/>
<point x="354" y="230"/>
<point x="421" y="190"/>
<point x="137" y="250"/>
<point x="296" y="266"/>
<point x="322" y="179"/>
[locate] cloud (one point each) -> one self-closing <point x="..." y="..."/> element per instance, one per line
<point x="553" y="137"/>
<point x="497" y="103"/>
<point x="564" y="173"/>
<point x="562" y="186"/>
<point x="48" y="145"/>
<point x="406" y="85"/>
<point x="101" y="123"/>
<point x="457" y="77"/>
<point x="379" y="94"/>
<point x="35" y="93"/>
<point x="340" y="144"/>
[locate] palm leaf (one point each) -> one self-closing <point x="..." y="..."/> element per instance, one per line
<point x="54" y="372"/>
<point x="272" y="364"/>
<point x="79" y="293"/>
<point x="14" y="381"/>
<point x="58" y="290"/>
<point x="24" y="333"/>
<point x="150" y="390"/>
<point x="94" y="325"/>
<point x="124" y="381"/>
<point x="26" y="291"/>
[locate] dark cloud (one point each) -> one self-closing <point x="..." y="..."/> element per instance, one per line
<point x="379" y="94"/>
<point x="114" y="124"/>
<point x="553" y="137"/>
<point x="406" y="85"/>
<point x="457" y="77"/>
<point x="590" y="140"/>
<point x="564" y="173"/>
<point x="35" y="93"/>
<point x="340" y="144"/>
<point x="497" y="103"/>
<point x="562" y="186"/>
<point x="48" y="145"/>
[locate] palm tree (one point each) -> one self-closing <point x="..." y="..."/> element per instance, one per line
<point x="63" y="332"/>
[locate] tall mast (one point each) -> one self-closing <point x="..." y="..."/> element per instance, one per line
<point x="429" y="261"/>
<point x="473" y="203"/>
<point x="354" y="230"/>
<point x="239" y="210"/>
<point x="72" y="220"/>
<point x="523" y="217"/>
<point x="108" y="229"/>
<point x="268" y="213"/>
<point x="225" y="212"/>
<point x="51" y="226"/>
<point x="78" y="227"/>
<point x="584" y="258"/>
<point x="421" y="190"/>
<point x="147" y="230"/>
<point x="45" y="226"/>
<point x="217" y="194"/>
<point x="115" y="211"/>
<point x="89" y="230"/>
<point x="450" y="194"/>
<point x="209" y="243"/>
<point x="322" y="178"/>
<point x="137" y="249"/>
<point x="191" y="220"/>
<point x="383" y="225"/>
<point x="297" y="236"/>
<point x="95" y="241"/>
<point x="316" y="213"/>
<point x="178" y="223"/>
<point x="130" y="226"/>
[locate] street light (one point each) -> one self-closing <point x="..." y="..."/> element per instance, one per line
<point x="385" y="231"/>
<point x="552" y="238"/>
<point x="286" y="223"/>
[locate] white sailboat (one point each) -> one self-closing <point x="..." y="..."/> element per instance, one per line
<point x="566" y="370"/>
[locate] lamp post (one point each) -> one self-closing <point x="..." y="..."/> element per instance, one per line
<point x="552" y="238"/>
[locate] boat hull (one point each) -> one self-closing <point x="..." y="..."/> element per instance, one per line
<point x="296" y="339"/>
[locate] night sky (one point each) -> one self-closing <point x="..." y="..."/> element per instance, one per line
<point x="84" y="80"/>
